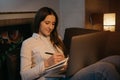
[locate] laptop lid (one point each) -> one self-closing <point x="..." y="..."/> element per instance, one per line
<point x="83" y="51"/>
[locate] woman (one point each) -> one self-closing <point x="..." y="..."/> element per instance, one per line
<point x="45" y="39"/>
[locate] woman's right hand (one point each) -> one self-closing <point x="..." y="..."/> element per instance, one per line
<point x="54" y="59"/>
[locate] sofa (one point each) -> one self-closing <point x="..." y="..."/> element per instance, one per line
<point x="89" y="49"/>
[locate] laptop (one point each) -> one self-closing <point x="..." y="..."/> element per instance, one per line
<point x="78" y="55"/>
<point x="82" y="51"/>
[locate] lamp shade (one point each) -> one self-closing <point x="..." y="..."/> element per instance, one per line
<point x="109" y="21"/>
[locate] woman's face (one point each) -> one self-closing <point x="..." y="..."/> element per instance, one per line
<point x="47" y="25"/>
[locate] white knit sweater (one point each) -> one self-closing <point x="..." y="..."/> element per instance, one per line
<point x="33" y="55"/>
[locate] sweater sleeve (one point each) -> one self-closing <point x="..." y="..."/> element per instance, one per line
<point x="29" y="71"/>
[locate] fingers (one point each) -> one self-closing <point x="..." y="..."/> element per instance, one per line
<point x="58" y="57"/>
<point x="55" y="58"/>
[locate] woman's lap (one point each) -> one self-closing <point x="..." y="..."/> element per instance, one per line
<point x="98" y="71"/>
<point x="105" y="69"/>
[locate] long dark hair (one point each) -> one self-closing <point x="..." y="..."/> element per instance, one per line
<point x="39" y="17"/>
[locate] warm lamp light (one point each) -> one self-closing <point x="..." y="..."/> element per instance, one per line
<point x="109" y="21"/>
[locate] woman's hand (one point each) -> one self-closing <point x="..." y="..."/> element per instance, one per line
<point x="57" y="57"/>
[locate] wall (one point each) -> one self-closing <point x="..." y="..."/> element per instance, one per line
<point x="72" y="14"/>
<point x="98" y="8"/>
<point x="26" y="6"/>
<point x="114" y="7"/>
<point x="94" y="13"/>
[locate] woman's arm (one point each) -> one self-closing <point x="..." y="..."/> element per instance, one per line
<point x="29" y="71"/>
